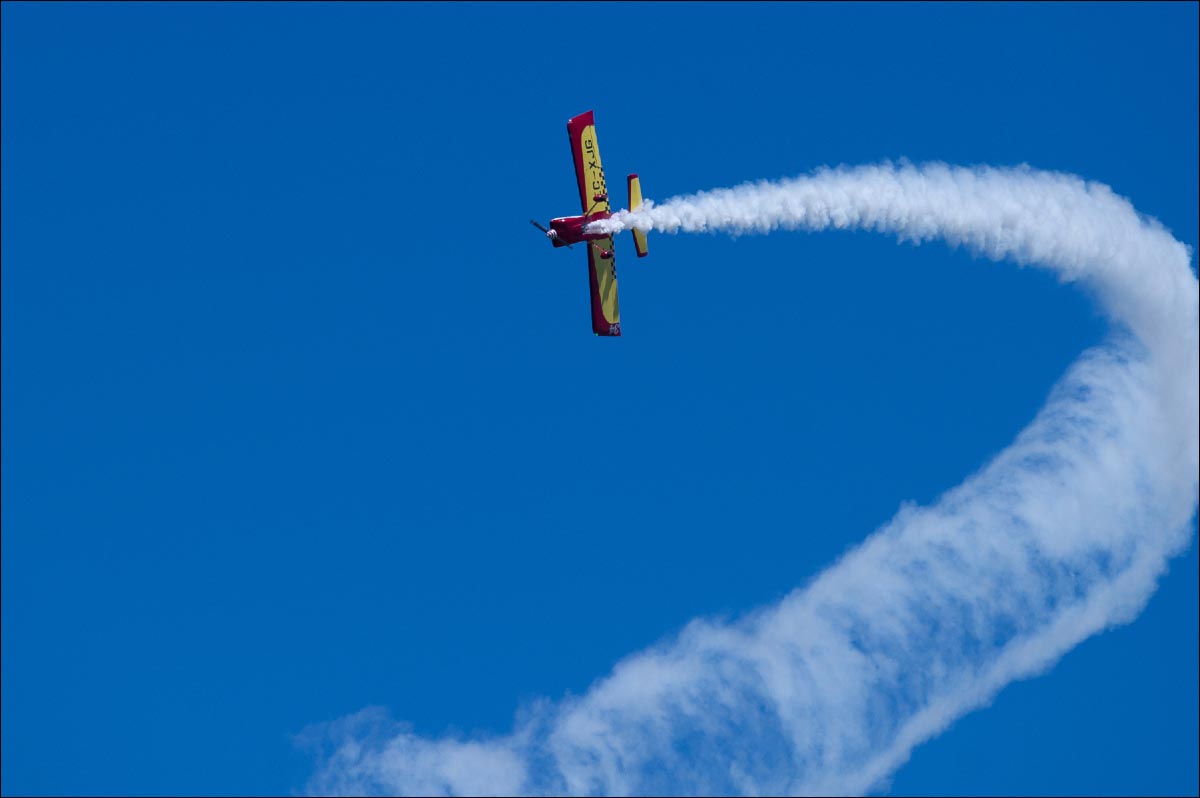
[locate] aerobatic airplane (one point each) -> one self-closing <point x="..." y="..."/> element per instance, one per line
<point x="568" y="230"/>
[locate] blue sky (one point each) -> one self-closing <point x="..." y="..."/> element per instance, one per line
<point x="301" y="416"/>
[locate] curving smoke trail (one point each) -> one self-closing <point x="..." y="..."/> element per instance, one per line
<point x="1063" y="534"/>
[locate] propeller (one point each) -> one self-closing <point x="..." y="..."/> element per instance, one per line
<point x="544" y="230"/>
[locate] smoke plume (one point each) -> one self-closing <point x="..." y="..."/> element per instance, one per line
<point x="1061" y="535"/>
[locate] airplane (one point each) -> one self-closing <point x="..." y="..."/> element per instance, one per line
<point x="566" y="231"/>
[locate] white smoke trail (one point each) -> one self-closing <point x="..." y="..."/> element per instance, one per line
<point x="1062" y="535"/>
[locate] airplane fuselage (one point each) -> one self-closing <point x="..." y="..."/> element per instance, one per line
<point x="569" y="229"/>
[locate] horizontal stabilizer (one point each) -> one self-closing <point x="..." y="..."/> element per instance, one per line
<point x="635" y="201"/>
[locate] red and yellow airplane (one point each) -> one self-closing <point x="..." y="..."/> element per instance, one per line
<point x="568" y="230"/>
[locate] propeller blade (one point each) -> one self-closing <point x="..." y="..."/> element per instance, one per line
<point x="544" y="230"/>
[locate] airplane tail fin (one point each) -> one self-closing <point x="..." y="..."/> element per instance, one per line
<point x="635" y="200"/>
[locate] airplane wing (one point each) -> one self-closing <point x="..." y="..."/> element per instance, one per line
<point x="602" y="279"/>
<point x="588" y="171"/>
<point x="602" y="272"/>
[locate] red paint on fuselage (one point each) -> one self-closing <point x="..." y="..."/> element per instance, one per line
<point x="569" y="229"/>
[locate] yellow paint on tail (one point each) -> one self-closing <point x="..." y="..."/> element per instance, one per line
<point x="635" y="201"/>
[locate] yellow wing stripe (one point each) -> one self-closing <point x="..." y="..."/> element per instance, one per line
<point x="593" y="171"/>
